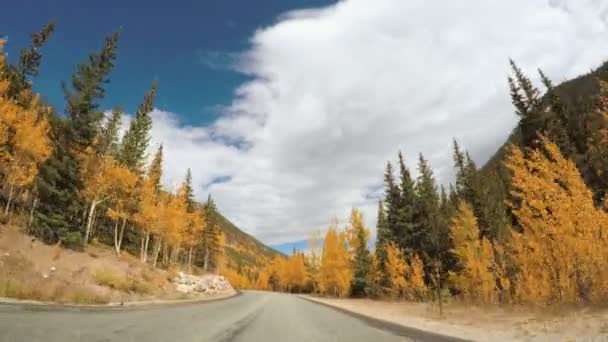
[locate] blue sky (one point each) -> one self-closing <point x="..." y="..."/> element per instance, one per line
<point x="330" y="93"/>
<point x="172" y="41"/>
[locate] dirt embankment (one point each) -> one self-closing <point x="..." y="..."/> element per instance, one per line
<point x="489" y="323"/>
<point x="30" y="269"/>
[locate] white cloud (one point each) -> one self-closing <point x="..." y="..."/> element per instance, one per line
<point x="337" y="91"/>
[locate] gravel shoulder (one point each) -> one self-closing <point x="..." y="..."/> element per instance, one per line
<point x="477" y="323"/>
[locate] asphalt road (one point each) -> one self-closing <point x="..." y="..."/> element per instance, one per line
<point x="251" y="316"/>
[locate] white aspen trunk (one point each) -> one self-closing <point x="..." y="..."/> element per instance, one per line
<point x="31" y="221"/>
<point x="116" y="236"/>
<point x="10" y="197"/>
<point x="90" y="221"/>
<point x="144" y="247"/>
<point x="119" y="235"/>
<point x="190" y="259"/>
<point x="157" y="246"/>
<point x="141" y="249"/>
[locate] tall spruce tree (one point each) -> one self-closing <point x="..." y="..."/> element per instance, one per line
<point x="362" y="260"/>
<point x="137" y="137"/>
<point x="210" y="242"/>
<point x="392" y="200"/>
<point x="60" y="180"/>
<point x="430" y="237"/>
<point x="29" y="62"/>
<point x="86" y="90"/>
<point x="528" y="103"/>
<point x="558" y="122"/>
<point x="108" y="137"/>
<point x="382" y="239"/>
<point x="405" y="225"/>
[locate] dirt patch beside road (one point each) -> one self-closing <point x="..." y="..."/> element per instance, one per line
<point x="490" y="323"/>
<point x="30" y="269"/>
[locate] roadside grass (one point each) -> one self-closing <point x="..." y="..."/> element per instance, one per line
<point x="38" y="291"/>
<point x="128" y="283"/>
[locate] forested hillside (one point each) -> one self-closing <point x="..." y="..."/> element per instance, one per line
<point x="528" y="227"/>
<point x="73" y="179"/>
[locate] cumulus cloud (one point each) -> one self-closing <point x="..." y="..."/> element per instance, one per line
<point x="339" y="90"/>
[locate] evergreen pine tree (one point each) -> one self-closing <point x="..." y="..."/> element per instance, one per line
<point x="404" y="225"/>
<point x="361" y="263"/>
<point x="392" y="200"/>
<point x="210" y="244"/>
<point x="108" y="138"/>
<point x="29" y="62"/>
<point x="86" y="89"/>
<point x="558" y="125"/>
<point x="60" y="179"/>
<point x="137" y="137"/>
<point x="382" y="238"/>
<point x="527" y="101"/>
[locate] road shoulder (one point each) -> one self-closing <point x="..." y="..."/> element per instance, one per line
<point x="143" y="305"/>
<point x="413" y="332"/>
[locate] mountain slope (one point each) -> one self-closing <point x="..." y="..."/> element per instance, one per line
<point x="244" y="252"/>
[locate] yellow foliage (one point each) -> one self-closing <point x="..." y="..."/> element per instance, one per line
<point x="355" y="224"/>
<point x="475" y="280"/>
<point x="24" y="135"/>
<point x="335" y="273"/>
<point x="561" y="253"/>
<point x="404" y="279"/>
<point x="237" y="280"/>
<point x="396" y="270"/>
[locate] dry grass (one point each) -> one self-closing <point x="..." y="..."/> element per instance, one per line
<point x="40" y="291"/>
<point x="128" y="283"/>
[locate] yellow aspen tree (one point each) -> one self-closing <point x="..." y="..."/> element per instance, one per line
<point x="335" y="273"/>
<point x="123" y="184"/>
<point x="396" y="269"/>
<point x="24" y="136"/>
<point x="149" y="205"/>
<point x="560" y="251"/>
<point x="415" y="281"/>
<point x="354" y="225"/>
<point x="313" y="258"/>
<point x="263" y="281"/>
<point x="475" y="278"/>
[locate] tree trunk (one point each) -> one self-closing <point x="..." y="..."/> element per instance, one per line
<point x="157" y="246"/>
<point x="90" y="221"/>
<point x="190" y="259"/>
<point x="10" y="198"/>
<point x="144" y="247"/>
<point x="118" y="235"/>
<point x="166" y="259"/>
<point x="206" y="260"/>
<point x="31" y="221"/>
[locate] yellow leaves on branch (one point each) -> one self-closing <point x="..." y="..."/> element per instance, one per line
<point x="24" y="135"/>
<point x="405" y="280"/>
<point x="335" y="274"/>
<point x="561" y="253"/>
<point x="475" y="280"/>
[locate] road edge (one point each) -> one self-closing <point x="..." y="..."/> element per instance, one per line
<point x="397" y="329"/>
<point x="128" y="306"/>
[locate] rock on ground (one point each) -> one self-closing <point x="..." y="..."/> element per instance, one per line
<point x="208" y="284"/>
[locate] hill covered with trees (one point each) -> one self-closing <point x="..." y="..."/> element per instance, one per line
<point x="527" y="227"/>
<point x="72" y="178"/>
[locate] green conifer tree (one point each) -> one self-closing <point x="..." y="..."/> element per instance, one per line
<point x="137" y="138"/>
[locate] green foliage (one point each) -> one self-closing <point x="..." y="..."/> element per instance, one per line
<point x="137" y="137"/>
<point x="29" y="62"/>
<point x="58" y="185"/>
<point x="86" y="89"/>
